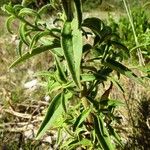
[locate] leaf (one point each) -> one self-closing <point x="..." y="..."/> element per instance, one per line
<point x="44" y="9"/>
<point x="111" y="102"/>
<point x="50" y="117"/>
<point x="61" y="75"/>
<point x="94" y="24"/>
<point x="22" y="33"/>
<point x="114" y="65"/>
<point x="9" y="9"/>
<point x="72" y="48"/>
<point x="117" y="84"/>
<point x="115" y="135"/>
<point x="122" y="47"/>
<point x="87" y="77"/>
<point x="17" y="7"/>
<point x="55" y="86"/>
<point x="77" y="49"/>
<point x="78" y="5"/>
<point x="19" y="48"/>
<point x="67" y="6"/>
<point x="105" y="34"/>
<point x="9" y="22"/>
<point x="102" y="134"/>
<point x="63" y="102"/>
<point x="37" y="36"/>
<point x="81" y="118"/>
<point x="27" y="11"/>
<point x="34" y="52"/>
<point x="82" y="143"/>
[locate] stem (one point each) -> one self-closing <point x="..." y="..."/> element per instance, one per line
<point x="139" y="53"/>
<point x="86" y="104"/>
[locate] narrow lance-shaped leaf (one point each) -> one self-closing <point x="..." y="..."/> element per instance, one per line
<point x="102" y="138"/>
<point x="114" y="65"/>
<point x="35" y="51"/>
<point x="77" y="48"/>
<point x="115" y="135"/>
<point x="22" y="33"/>
<point x="19" y="48"/>
<point x="60" y="71"/>
<point x="78" y="5"/>
<point x="72" y="48"/>
<point x="81" y="118"/>
<point x="67" y="5"/>
<point x="27" y="11"/>
<point x="9" y="22"/>
<point x="37" y="36"/>
<point x="51" y="114"/>
<point x="53" y="117"/>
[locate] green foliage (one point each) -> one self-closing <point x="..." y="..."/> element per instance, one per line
<point x="142" y="28"/>
<point x="87" y="54"/>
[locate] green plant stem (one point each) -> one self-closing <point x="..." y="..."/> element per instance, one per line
<point x="139" y="53"/>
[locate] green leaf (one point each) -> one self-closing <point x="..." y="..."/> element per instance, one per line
<point x="111" y="102"/>
<point x="115" y="135"/>
<point x="72" y="48"/>
<point x="102" y="134"/>
<point x="60" y="71"/>
<point x="82" y="143"/>
<point x="81" y="118"/>
<point x="114" y="65"/>
<point x="87" y="77"/>
<point x="27" y="11"/>
<point x="94" y="24"/>
<point x="22" y="33"/>
<point x="37" y="36"/>
<point x="63" y="102"/>
<point x="44" y="9"/>
<point x="9" y="22"/>
<point x="9" y="9"/>
<point x="55" y="86"/>
<point x="34" y="52"/>
<point x="67" y="6"/>
<point x="78" y="5"/>
<point x="51" y="116"/>
<point x="121" y="47"/>
<point x="115" y="82"/>
<point x="17" y="7"/>
<point x="19" y="48"/>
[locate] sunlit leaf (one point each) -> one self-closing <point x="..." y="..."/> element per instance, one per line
<point x="9" y="22"/>
<point x="22" y="33"/>
<point x="115" y="135"/>
<point x="36" y="37"/>
<point x="35" y="51"/>
<point x="50" y="117"/>
<point x="81" y="118"/>
<point x="27" y="11"/>
<point x="72" y="48"/>
<point x="61" y="74"/>
<point x="19" y="48"/>
<point x="102" y="134"/>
